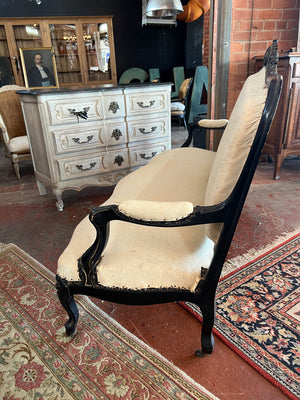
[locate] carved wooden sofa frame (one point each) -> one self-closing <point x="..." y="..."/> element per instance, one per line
<point x="82" y="272"/>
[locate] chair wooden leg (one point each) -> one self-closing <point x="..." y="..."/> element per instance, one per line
<point x="17" y="170"/>
<point x="68" y="302"/>
<point x="207" y="339"/>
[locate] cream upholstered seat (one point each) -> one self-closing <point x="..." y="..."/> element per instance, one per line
<point x="12" y="126"/>
<point x="184" y="250"/>
<point x="164" y="233"/>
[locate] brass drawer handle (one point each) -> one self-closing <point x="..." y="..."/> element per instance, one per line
<point x="149" y="157"/>
<point x="143" y="130"/>
<point x="116" y="133"/>
<point x="77" y="140"/>
<point x="141" y="104"/>
<point x="119" y="160"/>
<point x="82" y="114"/>
<point x="81" y="168"/>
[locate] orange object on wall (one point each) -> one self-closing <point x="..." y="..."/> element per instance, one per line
<point x="193" y="10"/>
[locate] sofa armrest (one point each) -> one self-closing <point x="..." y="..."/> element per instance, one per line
<point x="155" y="210"/>
<point x="213" y="123"/>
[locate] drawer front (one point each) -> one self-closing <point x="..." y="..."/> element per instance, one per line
<point x="113" y="105"/>
<point x="71" y="168"/>
<point x="143" y="128"/>
<point x="117" y="159"/>
<point x="72" y="140"/>
<point x="140" y="155"/>
<point x="147" y="102"/>
<point x="75" y="110"/>
<point x="116" y="132"/>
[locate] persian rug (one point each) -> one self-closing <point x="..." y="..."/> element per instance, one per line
<point x="258" y="314"/>
<point x="103" y="361"/>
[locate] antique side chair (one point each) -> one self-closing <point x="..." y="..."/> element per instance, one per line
<point x="180" y="107"/>
<point x="164" y="234"/>
<point x="12" y="127"/>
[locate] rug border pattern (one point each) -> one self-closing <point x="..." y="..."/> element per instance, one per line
<point x="220" y="321"/>
<point x="165" y="366"/>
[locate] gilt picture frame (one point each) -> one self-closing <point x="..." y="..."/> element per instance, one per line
<point x="39" y="67"/>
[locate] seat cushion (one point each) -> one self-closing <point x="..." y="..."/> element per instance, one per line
<point x="139" y="257"/>
<point x="19" y="144"/>
<point x="177" y="106"/>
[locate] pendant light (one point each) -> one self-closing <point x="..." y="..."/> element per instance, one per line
<point x="163" y="8"/>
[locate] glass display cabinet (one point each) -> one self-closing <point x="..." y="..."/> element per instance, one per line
<point x="83" y="47"/>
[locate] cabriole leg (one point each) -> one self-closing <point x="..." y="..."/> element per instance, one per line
<point x="68" y="302"/>
<point x="207" y="339"/>
<point x="59" y="204"/>
<point x="17" y="170"/>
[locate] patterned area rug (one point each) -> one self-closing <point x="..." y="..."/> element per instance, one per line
<point x="103" y="361"/>
<point x="258" y="315"/>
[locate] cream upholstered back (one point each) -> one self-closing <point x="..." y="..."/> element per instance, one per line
<point x="235" y="144"/>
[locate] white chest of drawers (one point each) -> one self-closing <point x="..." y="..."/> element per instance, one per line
<point x="94" y="137"/>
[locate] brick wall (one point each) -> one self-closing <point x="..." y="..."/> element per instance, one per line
<point x="253" y="30"/>
<point x="255" y="23"/>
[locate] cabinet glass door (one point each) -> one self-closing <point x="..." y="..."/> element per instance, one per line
<point x="65" y="46"/>
<point x="28" y="36"/>
<point x="97" y="49"/>
<point x="6" y="74"/>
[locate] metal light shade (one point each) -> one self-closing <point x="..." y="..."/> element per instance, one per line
<point x="163" y="8"/>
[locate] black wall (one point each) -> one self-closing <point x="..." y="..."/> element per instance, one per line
<point x="150" y="46"/>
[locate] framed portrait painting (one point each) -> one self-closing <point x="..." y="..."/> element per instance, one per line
<point x="39" y="67"/>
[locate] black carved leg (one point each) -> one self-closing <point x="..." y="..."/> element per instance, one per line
<point x="190" y="129"/>
<point x="68" y="302"/>
<point x="207" y="339"/>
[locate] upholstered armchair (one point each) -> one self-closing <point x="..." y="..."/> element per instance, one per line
<point x="12" y="127"/>
<point x="180" y="105"/>
<point x="165" y="232"/>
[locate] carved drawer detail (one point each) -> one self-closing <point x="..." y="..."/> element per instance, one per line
<point x="144" y="128"/>
<point x="118" y="159"/>
<point x="137" y="103"/>
<point x="116" y="132"/>
<point x="140" y="155"/>
<point x="113" y="105"/>
<point x="70" y="140"/>
<point x="68" y="110"/>
<point x="75" y="168"/>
